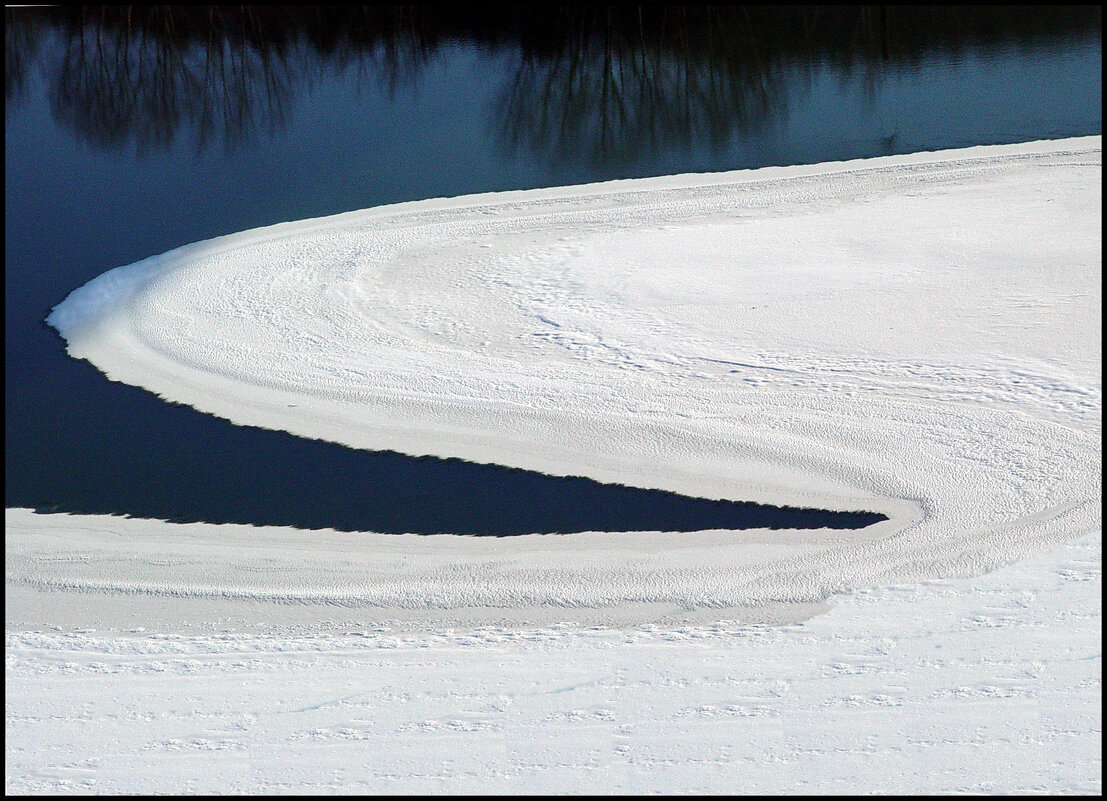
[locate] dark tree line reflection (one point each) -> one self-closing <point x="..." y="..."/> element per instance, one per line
<point x="115" y="84"/>
<point x="595" y="82"/>
<point x="619" y="87"/>
<point x="146" y="75"/>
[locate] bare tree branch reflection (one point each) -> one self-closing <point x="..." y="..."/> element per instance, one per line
<point x="599" y="83"/>
<point x="21" y="45"/>
<point x="615" y="92"/>
<point x="115" y="85"/>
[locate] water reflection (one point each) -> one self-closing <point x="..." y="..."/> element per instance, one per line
<point x="606" y="83"/>
<point x="613" y="92"/>
<point x="21" y="44"/>
<point x="117" y="85"/>
<point x="150" y="75"/>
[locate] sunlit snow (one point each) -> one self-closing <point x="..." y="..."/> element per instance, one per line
<point x="914" y="335"/>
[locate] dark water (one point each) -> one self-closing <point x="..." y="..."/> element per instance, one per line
<point x="132" y="130"/>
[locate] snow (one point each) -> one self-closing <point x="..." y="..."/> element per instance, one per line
<point x="977" y="685"/>
<point x="915" y="335"/>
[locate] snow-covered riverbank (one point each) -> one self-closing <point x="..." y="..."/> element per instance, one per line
<point x="915" y="335"/>
<point x="985" y="685"/>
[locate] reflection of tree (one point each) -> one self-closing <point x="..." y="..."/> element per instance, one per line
<point x="599" y="82"/>
<point x="113" y="86"/>
<point x="611" y="94"/>
<point x="20" y="52"/>
<point x="611" y="84"/>
<point x="396" y="61"/>
<point x="147" y="75"/>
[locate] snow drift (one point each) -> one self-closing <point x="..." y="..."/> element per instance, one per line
<point x="914" y="335"/>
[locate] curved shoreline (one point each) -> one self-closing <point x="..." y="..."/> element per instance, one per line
<point x="765" y="335"/>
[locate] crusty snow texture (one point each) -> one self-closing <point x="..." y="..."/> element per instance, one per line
<point x="986" y="685"/>
<point x="916" y="335"/>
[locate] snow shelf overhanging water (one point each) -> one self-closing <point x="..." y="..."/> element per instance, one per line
<point x="915" y="335"/>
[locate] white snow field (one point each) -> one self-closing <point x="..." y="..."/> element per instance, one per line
<point x="916" y="335"/>
<point x="986" y="685"/>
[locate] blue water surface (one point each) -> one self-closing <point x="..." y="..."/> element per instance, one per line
<point x="112" y="156"/>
